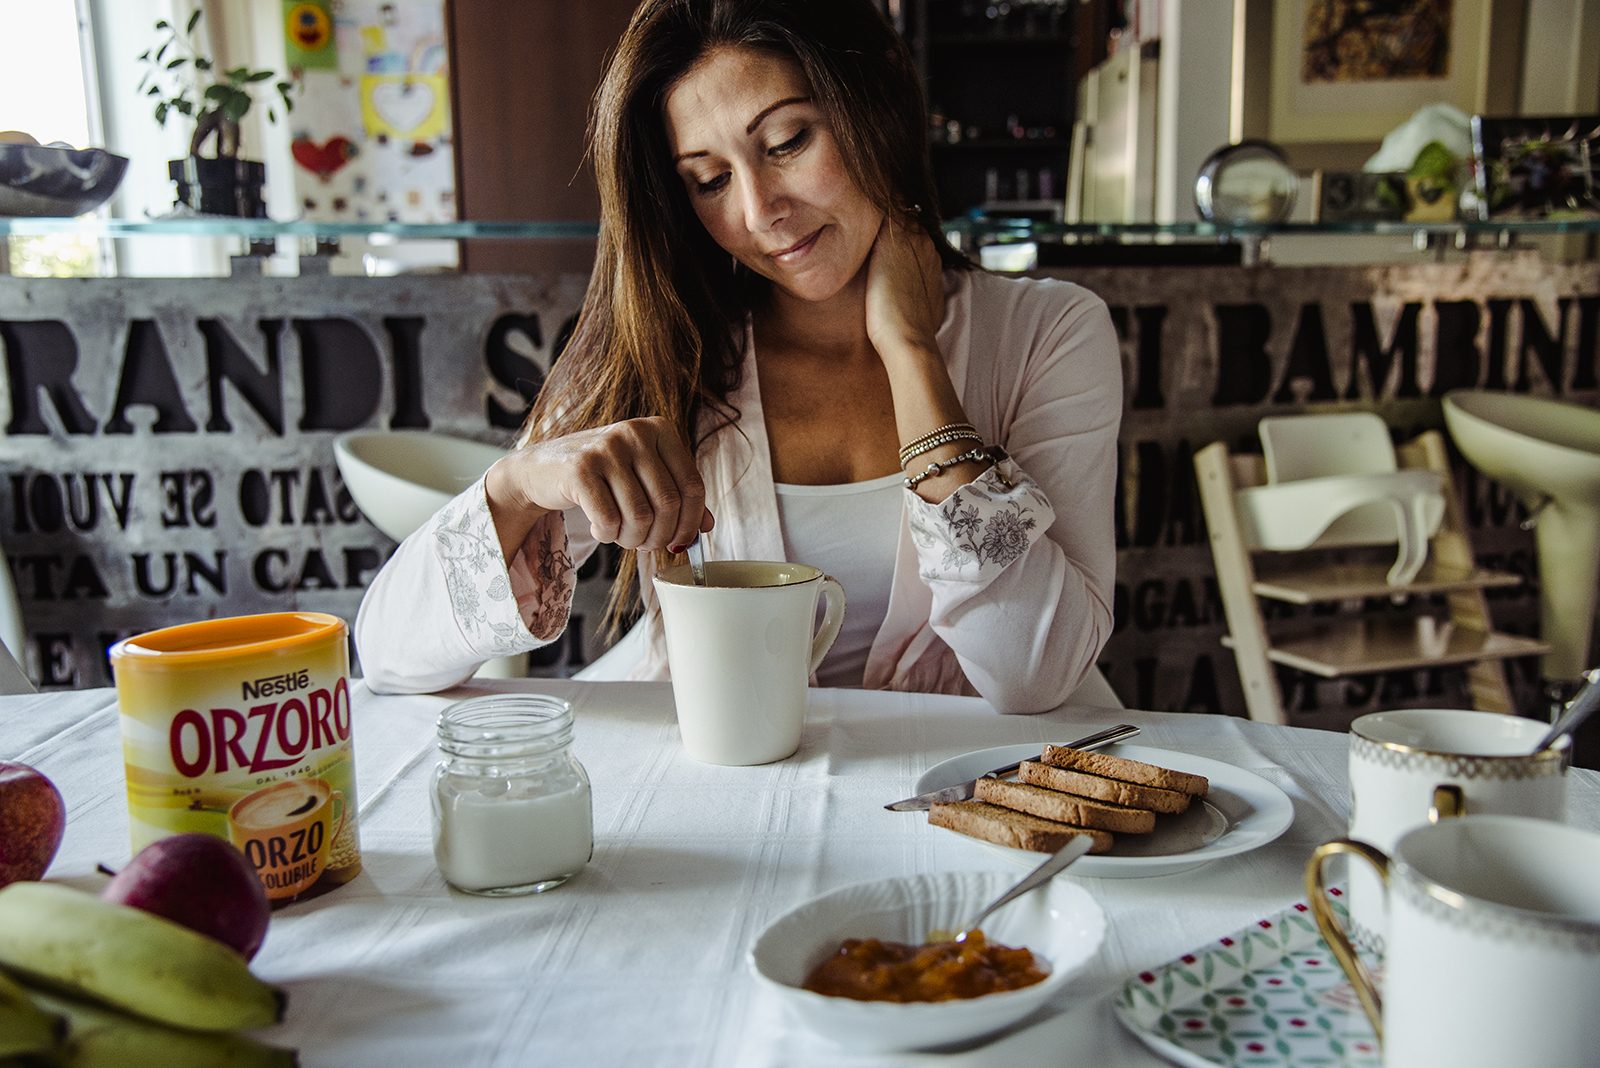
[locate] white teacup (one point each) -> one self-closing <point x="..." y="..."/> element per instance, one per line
<point x="1406" y="763"/>
<point x="741" y="650"/>
<point x="1493" y="946"/>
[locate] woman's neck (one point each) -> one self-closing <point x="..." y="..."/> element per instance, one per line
<point x="836" y="326"/>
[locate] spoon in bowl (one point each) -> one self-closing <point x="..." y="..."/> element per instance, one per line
<point x="1030" y="882"/>
<point x="1579" y="709"/>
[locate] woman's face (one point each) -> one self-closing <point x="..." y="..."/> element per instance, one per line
<point x="764" y="173"/>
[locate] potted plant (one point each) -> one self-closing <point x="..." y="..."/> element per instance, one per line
<point x="184" y="81"/>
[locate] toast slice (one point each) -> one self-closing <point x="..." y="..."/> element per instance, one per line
<point x="1065" y="808"/>
<point x="1002" y="826"/>
<point x="1124" y="770"/>
<point x="1099" y="788"/>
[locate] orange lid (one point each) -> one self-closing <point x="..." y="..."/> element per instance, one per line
<point x="214" y="641"/>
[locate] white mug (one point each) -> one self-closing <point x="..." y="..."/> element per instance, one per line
<point x="741" y="650"/>
<point x="1406" y="763"/>
<point x="1493" y="944"/>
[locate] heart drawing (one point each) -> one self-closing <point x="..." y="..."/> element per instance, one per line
<point x="403" y="105"/>
<point x="323" y="160"/>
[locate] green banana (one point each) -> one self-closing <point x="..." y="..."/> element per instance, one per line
<point x="98" y="1036"/>
<point x="24" y="1026"/>
<point x="130" y="959"/>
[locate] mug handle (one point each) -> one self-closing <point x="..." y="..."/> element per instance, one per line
<point x="1338" y="941"/>
<point x="832" y="620"/>
<point x="1449" y="801"/>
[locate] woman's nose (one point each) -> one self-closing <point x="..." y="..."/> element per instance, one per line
<point x="765" y="204"/>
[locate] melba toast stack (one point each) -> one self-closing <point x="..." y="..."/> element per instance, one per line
<point x="1067" y="793"/>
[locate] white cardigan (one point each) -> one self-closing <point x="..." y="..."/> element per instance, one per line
<point x="1003" y="589"/>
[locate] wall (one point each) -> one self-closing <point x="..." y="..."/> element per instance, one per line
<point x="523" y="77"/>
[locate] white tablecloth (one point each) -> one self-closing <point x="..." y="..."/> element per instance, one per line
<point x="640" y="960"/>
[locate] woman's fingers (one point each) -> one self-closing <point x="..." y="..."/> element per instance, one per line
<point x="638" y="485"/>
<point x="692" y="516"/>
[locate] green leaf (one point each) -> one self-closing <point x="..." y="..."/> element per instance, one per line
<point x="235" y="107"/>
<point x="193" y="21"/>
<point x="161" y="114"/>
<point x="162" y="50"/>
<point x="163" y="24"/>
<point x="176" y="63"/>
<point x="284" y="87"/>
<point x="260" y="76"/>
<point x="288" y="105"/>
<point x="219" y="91"/>
<point x="202" y="63"/>
<point x="145" y="54"/>
<point x="238" y="74"/>
<point x="272" y="116"/>
<point x="185" y="106"/>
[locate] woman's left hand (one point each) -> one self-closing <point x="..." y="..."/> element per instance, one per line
<point x="905" y="289"/>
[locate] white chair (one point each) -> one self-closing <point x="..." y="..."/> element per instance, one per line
<point x="1341" y="485"/>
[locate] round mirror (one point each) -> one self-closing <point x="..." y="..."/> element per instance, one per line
<point x="1250" y="182"/>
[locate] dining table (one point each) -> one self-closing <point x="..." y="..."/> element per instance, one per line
<point x="641" y="958"/>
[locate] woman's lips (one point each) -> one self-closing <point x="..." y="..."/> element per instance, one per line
<point x="795" y="251"/>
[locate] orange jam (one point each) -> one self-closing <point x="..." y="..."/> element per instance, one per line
<point x="868" y="969"/>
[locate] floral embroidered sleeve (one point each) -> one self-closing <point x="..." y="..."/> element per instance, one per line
<point x="979" y="529"/>
<point x="503" y="609"/>
<point x="447" y="600"/>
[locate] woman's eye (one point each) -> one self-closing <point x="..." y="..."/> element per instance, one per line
<point x="794" y="144"/>
<point x="713" y="185"/>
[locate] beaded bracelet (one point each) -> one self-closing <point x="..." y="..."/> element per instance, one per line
<point x="937" y="467"/>
<point x="915" y="446"/>
<point x="906" y="456"/>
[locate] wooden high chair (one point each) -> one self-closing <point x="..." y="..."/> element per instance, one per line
<point x="1353" y="447"/>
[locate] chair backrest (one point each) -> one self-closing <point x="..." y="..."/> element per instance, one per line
<point x="12" y="679"/>
<point x="1316" y="446"/>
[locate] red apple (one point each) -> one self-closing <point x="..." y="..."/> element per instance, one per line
<point x="32" y="820"/>
<point x="200" y="881"/>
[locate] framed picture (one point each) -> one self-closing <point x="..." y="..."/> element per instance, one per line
<point x="1538" y="167"/>
<point x="1352" y="70"/>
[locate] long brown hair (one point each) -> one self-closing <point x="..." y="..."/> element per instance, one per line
<point x="658" y="333"/>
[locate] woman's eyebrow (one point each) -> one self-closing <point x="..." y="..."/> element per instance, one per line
<point x="770" y="108"/>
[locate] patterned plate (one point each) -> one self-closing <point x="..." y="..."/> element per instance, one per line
<point x="1268" y="996"/>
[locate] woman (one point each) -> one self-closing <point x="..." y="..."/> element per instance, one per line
<point x="780" y="353"/>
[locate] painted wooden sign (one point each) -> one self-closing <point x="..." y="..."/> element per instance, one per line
<point x="167" y="443"/>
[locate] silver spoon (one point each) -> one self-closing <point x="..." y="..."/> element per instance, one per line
<point x="697" y="560"/>
<point x="1030" y="882"/>
<point x="1579" y="709"/>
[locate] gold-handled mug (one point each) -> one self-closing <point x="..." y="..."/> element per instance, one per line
<point x="1399" y="758"/>
<point x="1493" y="954"/>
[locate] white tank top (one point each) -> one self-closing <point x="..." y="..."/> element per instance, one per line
<point x="851" y="531"/>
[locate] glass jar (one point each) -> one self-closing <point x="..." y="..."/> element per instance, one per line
<point x="511" y="807"/>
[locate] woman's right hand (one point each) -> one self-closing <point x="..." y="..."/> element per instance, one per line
<point x="636" y="482"/>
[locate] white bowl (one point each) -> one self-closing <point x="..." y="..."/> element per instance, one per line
<point x="400" y="478"/>
<point x="1060" y="923"/>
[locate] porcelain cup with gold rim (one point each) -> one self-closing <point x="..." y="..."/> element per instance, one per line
<point x="1493" y="942"/>
<point x="1399" y="760"/>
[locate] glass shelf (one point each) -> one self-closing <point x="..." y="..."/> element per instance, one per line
<point x="1003" y="229"/>
<point x="265" y="229"/>
<point x="994" y="229"/>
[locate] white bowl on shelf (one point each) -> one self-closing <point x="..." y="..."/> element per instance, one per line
<point x="400" y="478"/>
<point x="1060" y="923"/>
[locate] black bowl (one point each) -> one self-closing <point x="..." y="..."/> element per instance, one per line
<point x="42" y="180"/>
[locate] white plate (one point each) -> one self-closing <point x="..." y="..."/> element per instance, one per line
<point x="1242" y="812"/>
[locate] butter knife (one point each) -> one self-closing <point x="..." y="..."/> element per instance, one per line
<point x="963" y="791"/>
